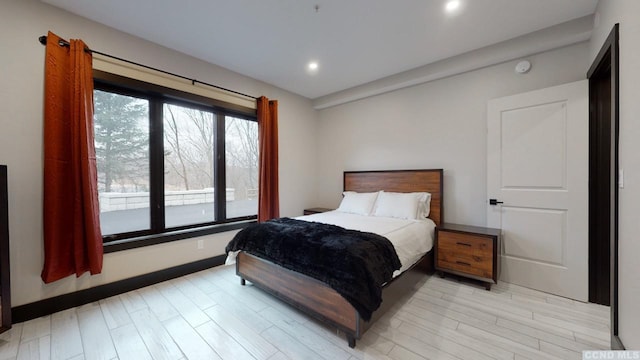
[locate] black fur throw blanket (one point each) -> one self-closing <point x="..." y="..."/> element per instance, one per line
<point x="356" y="264"/>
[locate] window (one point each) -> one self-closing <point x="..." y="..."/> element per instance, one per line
<point x="241" y="145"/>
<point x="188" y="165"/>
<point x="168" y="163"/>
<point x="122" y="154"/>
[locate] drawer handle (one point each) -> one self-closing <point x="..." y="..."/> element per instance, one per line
<point x="463" y="244"/>
<point x="463" y="263"/>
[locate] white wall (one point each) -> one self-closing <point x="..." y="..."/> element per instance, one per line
<point x="627" y="13"/>
<point x="440" y="124"/>
<point x="21" y="89"/>
<point x="555" y="37"/>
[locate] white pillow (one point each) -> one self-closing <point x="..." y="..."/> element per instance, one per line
<point x="411" y="206"/>
<point x="425" y="205"/>
<point x="358" y="203"/>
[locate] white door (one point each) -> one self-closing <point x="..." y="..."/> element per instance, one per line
<point x="537" y="165"/>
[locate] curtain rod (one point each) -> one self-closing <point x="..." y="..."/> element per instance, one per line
<point x="43" y="41"/>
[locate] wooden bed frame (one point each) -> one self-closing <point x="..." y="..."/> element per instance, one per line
<point x="317" y="299"/>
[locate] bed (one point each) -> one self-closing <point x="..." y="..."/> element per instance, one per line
<point x="322" y="302"/>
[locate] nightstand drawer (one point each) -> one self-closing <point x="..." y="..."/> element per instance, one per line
<point x="482" y="268"/>
<point x="472" y="245"/>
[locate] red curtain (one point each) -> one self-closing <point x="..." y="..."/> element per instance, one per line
<point x="72" y="236"/>
<point x="268" y="197"/>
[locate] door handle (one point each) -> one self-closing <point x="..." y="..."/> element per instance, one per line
<point x="495" y="202"/>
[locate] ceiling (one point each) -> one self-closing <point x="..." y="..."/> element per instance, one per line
<point x="353" y="41"/>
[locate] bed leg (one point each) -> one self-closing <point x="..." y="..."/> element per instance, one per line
<point x="352" y="341"/>
<point x="242" y="281"/>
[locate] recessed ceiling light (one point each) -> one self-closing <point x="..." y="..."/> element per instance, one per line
<point x="313" y="66"/>
<point x="452" y="5"/>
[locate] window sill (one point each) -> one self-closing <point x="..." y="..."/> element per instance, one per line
<point x="148" y="240"/>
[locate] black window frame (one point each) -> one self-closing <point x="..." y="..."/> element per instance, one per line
<point x="158" y="96"/>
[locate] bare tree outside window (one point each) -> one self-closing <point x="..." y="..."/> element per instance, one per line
<point x="188" y="158"/>
<point x="241" y="145"/>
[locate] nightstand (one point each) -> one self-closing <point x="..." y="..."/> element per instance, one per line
<point x="316" y="210"/>
<point x="469" y="251"/>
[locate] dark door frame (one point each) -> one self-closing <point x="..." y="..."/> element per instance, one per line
<point x="5" y="278"/>
<point x="600" y="183"/>
<point x="607" y="62"/>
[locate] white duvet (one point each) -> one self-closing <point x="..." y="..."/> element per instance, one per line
<point x="410" y="238"/>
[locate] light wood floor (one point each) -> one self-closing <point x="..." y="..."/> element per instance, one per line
<point x="208" y="315"/>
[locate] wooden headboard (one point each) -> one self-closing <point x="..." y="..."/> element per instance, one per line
<point x="401" y="181"/>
